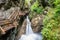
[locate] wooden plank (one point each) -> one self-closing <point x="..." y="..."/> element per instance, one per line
<point x="3" y="22"/>
<point x="11" y="22"/>
<point x="8" y="27"/>
<point x="2" y="31"/>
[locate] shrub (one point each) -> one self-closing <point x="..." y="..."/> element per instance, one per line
<point x="51" y="29"/>
<point x="36" y="7"/>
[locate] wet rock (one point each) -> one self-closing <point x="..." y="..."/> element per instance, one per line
<point x="37" y="23"/>
<point x="21" y="30"/>
<point x="2" y="1"/>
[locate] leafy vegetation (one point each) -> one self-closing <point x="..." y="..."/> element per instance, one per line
<point x="36" y="7"/>
<point x="51" y="29"/>
<point x="57" y="2"/>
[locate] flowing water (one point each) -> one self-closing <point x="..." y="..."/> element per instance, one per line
<point x="30" y="35"/>
<point x="28" y="27"/>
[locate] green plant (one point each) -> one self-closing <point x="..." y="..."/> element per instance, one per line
<point x="51" y="23"/>
<point x="51" y="2"/>
<point x="36" y="8"/>
<point x="56" y="2"/>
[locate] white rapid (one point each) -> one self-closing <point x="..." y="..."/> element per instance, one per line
<point x="30" y="35"/>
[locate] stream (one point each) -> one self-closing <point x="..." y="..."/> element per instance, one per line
<point x="30" y="35"/>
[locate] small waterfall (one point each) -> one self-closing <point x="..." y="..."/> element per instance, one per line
<point x="30" y="35"/>
<point x="28" y="27"/>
